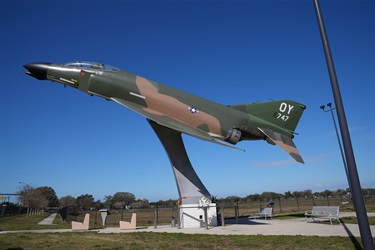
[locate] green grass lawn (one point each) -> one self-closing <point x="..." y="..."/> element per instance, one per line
<point x="21" y="222"/>
<point x="150" y="240"/>
<point x="353" y="220"/>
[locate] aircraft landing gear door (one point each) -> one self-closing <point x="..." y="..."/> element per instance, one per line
<point x="84" y="78"/>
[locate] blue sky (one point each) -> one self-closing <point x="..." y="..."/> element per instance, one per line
<point x="231" y="52"/>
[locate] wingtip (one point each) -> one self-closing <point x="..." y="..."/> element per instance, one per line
<point x="297" y="157"/>
<point x="285" y="143"/>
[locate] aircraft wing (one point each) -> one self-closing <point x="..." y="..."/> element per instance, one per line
<point x="284" y="142"/>
<point x="174" y="124"/>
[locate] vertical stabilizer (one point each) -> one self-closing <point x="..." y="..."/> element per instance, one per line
<point x="284" y="113"/>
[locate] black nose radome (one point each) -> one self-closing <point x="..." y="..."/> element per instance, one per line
<point x="37" y="70"/>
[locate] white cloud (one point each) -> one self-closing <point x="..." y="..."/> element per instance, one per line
<point x="320" y="185"/>
<point x="287" y="162"/>
<point x="317" y="158"/>
<point x="272" y="163"/>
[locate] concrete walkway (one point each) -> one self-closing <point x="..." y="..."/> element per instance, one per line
<point x="261" y="227"/>
<point x="49" y="220"/>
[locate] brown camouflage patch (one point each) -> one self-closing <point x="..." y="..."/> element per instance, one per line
<point x="160" y="104"/>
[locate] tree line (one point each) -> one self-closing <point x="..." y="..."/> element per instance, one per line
<point x="269" y="196"/>
<point x="42" y="197"/>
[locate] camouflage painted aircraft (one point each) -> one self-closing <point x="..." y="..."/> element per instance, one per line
<point x="273" y="121"/>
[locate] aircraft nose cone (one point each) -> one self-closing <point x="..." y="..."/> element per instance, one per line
<point x="37" y="70"/>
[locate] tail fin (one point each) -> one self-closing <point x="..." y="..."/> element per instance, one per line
<point x="284" y="113"/>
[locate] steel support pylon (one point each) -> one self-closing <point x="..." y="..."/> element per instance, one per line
<point x="190" y="187"/>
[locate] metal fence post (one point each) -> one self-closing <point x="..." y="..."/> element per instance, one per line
<point x="236" y="213"/>
<point x="156" y="217"/>
<point x="222" y="216"/>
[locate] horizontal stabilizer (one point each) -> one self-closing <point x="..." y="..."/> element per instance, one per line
<point x="284" y="142"/>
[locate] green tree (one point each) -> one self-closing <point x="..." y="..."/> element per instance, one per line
<point x="85" y="201"/>
<point x="68" y="201"/>
<point x="232" y="199"/>
<point x="124" y="197"/>
<point x="98" y="204"/>
<point x="288" y="195"/>
<point x="306" y="193"/>
<point x="327" y="193"/>
<point x="296" y="195"/>
<point x="268" y="196"/>
<point x="108" y="201"/>
<point x="253" y="197"/>
<point x="50" y="195"/>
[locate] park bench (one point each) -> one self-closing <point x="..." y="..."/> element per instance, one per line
<point x="129" y="225"/>
<point x="81" y="225"/>
<point x="266" y="212"/>
<point x="324" y="212"/>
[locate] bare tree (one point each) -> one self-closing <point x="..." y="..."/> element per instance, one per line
<point x="24" y="195"/>
<point x="32" y="198"/>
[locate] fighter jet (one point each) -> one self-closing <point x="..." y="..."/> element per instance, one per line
<point x="273" y="121"/>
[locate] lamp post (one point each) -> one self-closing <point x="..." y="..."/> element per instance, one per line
<point x="21" y="182"/>
<point x="354" y="183"/>
<point x="338" y="140"/>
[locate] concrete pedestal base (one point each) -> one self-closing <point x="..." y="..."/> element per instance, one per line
<point x="192" y="216"/>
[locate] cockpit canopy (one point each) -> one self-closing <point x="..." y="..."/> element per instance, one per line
<point x="91" y="65"/>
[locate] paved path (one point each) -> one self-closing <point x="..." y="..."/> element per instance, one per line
<point x="246" y="226"/>
<point x="261" y="227"/>
<point x="48" y="220"/>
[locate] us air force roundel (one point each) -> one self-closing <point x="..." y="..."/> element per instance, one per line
<point x="193" y="110"/>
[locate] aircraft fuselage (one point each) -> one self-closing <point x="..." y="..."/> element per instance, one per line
<point x="167" y="106"/>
